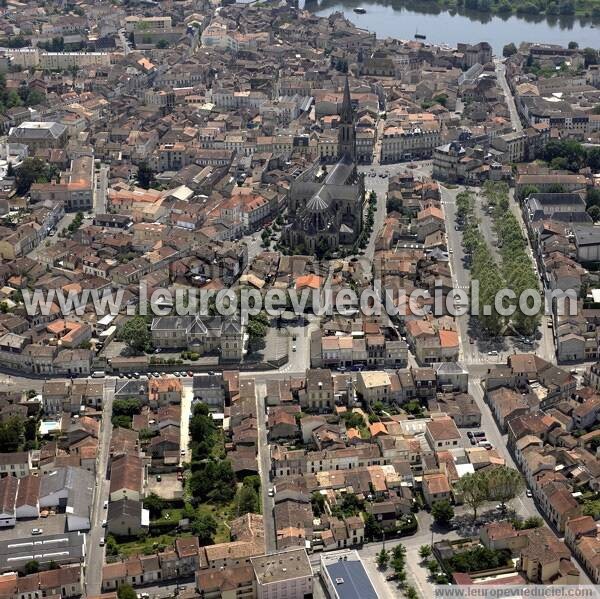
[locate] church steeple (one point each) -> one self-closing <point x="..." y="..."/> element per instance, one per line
<point x="346" y="133"/>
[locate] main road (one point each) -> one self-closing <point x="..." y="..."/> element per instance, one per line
<point x="94" y="560"/>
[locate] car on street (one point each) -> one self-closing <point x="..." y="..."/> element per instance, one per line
<point x="158" y="478"/>
<point x="105" y="506"/>
<point x="104" y="523"/>
<point x="293" y="348"/>
<point x="102" y="542"/>
<point x="492" y="352"/>
<point x="529" y="493"/>
<point x="37" y="531"/>
<point x="271" y="492"/>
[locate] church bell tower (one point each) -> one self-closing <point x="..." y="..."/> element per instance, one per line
<point x="346" y="129"/>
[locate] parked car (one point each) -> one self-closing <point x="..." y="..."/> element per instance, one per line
<point x="104" y="523"/>
<point x="529" y="493"/>
<point x="37" y="531"/>
<point x="102" y="542"/>
<point x="105" y="506"/>
<point x="271" y="492"/>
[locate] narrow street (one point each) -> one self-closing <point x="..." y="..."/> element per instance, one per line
<point x="264" y="466"/>
<point x="95" y="554"/>
<point x="186" y="411"/>
<point x="510" y="101"/>
<point x="101" y="190"/>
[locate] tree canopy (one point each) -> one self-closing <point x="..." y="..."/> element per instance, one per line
<point x="136" y="334"/>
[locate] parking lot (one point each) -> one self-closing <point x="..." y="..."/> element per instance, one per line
<point x="55" y="524"/>
<point x="467" y="433"/>
<point x="168" y="487"/>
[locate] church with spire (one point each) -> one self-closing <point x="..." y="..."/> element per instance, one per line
<point x="326" y="203"/>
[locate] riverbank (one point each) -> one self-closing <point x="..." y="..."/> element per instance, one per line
<point x="451" y="25"/>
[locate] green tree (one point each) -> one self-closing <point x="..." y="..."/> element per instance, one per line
<point x="204" y="527"/>
<point x="424" y="551"/>
<point x="372" y="528"/>
<point x="594" y="212"/>
<point x="590" y="56"/>
<point x="383" y="559"/>
<point x="433" y="567"/>
<point x="127" y="407"/>
<point x="203" y="432"/>
<point x="247" y="501"/>
<point x="442" y="511"/>
<point x="145" y="175"/>
<point x="155" y="505"/>
<point x="32" y="567"/>
<point x="121" y="421"/>
<point x="212" y="480"/>
<point x="398" y="561"/>
<point x="136" y="334"/>
<point x="411" y="593"/>
<point x="13" y="99"/>
<point x="509" y="50"/>
<point x="34" y="97"/>
<point x="504" y="484"/>
<point x="317" y="501"/>
<point x="257" y="331"/>
<point x="32" y="170"/>
<point x="529" y="190"/>
<point x="12" y="432"/>
<point x="125" y="591"/>
<point x="573" y="45"/>
<point x="474" y="490"/>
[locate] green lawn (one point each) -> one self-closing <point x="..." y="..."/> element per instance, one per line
<point x="149" y="545"/>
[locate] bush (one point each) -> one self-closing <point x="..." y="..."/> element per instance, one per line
<point x="478" y="558"/>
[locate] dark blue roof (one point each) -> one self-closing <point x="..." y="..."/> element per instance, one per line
<point x="356" y="583"/>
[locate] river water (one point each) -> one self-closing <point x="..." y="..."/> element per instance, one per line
<point x="443" y="27"/>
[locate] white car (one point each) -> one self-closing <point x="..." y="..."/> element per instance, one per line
<point x="37" y="531"/>
<point x="102" y="542"/>
<point x="271" y="492"/>
<point x="104" y="523"/>
<point x="105" y="506"/>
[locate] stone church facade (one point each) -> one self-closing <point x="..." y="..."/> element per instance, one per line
<point x="326" y="201"/>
